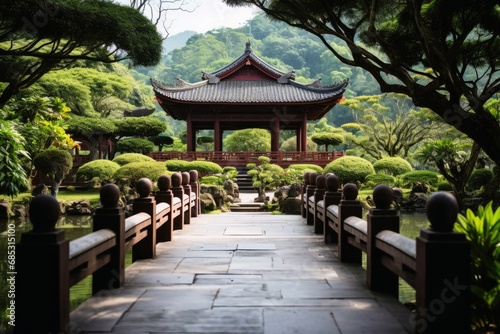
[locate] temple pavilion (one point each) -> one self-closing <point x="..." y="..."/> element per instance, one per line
<point x="248" y="93"/>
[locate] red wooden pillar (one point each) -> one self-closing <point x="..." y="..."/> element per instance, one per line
<point x="303" y="132"/>
<point x="275" y="136"/>
<point x="217" y="133"/>
<point x="189" y="133"/>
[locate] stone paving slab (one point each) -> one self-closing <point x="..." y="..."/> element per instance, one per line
<point x="242" y="273"/>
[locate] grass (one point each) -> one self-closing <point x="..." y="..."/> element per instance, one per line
<point x="92" y="195"/>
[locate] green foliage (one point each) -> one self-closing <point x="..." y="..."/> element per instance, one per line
<point x="211" y="180"/>
<point x="327" y="139"/>
<point x="423" y="176"/>
<point x="376" y="179"/>
<point x="479" y="178"/>
<point x="306" y="167"/>
<point x="13" y="178"/>
<point x="258" y="140"/>
<point x="101" y="170"/>
<point x="392" y="166"/>
<point x="483" y="232"/>
<point x="178" y="165"/>
<point x="266" y="176"/>
<point x="290" y="145"/>
<point x="162" y="140"/>
<point x="140" y="126"/>
<point x="350" y="169"/>
<point x="205" y="167"/>
<point x="135" y="145"/>
<point x="111" y="33"/>
<point x="127" y="158"/>
<point x="444" y="186"/>
<point x="56" y="164"/>
<point x="135" y="170"/>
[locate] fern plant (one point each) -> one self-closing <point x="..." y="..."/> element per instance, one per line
<point x="483" y="232"/>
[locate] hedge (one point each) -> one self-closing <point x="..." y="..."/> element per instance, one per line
<point x="380" y="179"/>
<point x="136" y="170"/>
<point x="423" y="176"/>
<point x="101" y="170"/>
<point x="392" y="166"/>
<point x="306" y="167"/>
<point x="350" y="169"/>
<point x="127" y="158"/>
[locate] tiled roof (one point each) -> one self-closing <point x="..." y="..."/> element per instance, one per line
<point x="236" y="91"/>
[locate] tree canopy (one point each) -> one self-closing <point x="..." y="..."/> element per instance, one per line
<point x="445" y="55"/>
<point x="37" y="37"/>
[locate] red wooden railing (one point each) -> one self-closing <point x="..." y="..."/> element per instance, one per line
<point x="284" y="159"/>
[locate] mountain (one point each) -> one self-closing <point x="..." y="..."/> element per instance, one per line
<point x="177" y="41"/>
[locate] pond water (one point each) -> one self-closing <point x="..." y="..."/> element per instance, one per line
<point x="77" y="226"/>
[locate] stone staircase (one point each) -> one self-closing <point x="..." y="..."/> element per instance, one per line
<point x="244" y="180"/>
<point x="247" y="193"/>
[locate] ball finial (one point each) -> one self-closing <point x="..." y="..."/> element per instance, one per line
<point x="350" y="191"/>
<point x="382" y="196"/>
<point x="332" y="182"/>
<point x="164" y="183"/>
<point x="144" y="187"/>
<point x="109" y="195"/>
<point x="442" y="209"/>
<point x="176" y="179"/>
<point x="321" y="182"/>
<point x="185" y="178"/>
<point x="193" y="174"/>
<point x="306" y="178"/>
<point x="44" y="212"/>
<point x="312" y="178"/>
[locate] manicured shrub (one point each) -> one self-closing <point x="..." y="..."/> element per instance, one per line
<point x="444" y="186"/>
<point x="392" y="166"/>
<point x="479" y="178"/>
<point x="350" y="169"/>
<point x="135" y="145"/>
<point x="178" y="165"/>
<point x="211" y="180"/>
<point x="136" y="170"/>
<point x="306" y="167"/>
<point x="205" y="167"/>
<point x="127" y="158"/>
<point x="380" y="179"/>
<point x="100" y="170"/>
<point x="423" y="176"/>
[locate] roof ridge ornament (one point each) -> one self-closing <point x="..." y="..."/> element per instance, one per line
<point x="286" y="77"/>
<point x="248" y="47"/>
<point x="212" y="79"/>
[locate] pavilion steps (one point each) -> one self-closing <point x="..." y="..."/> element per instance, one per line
<point x="244" y="181"/>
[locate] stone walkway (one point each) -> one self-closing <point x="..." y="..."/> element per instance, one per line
<point x="242" y="273"/>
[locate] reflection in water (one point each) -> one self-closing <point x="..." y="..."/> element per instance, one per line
<point x="77" y="226"/>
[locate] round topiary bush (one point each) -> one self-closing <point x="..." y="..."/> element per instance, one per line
<point x="205" y="167"/>
<point x="127" y="158"/>
<point x="380" y="179"/>
<point x="350" y="169"/>
<point x="211" y="180"/>
<point x="306" y="167"/>
<point x="392" y="166"/>
<point x="178" y="166"/>
<point x="444" y="186"/>
<point x="136" y="170"/>
<point x="423" y="176"/>
<point x="102" y="170"/>
<point x="135" y="145"/>
<point x="479" y="178"/>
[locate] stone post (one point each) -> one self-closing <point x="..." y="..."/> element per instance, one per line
<point x="187" y="191"/>
<point x="303" y="199"/>
<point x="165" y="195"/>
<point x="332" y="197"/>
<point x="42" y="279"/>
<point x="380" y="218"/>
<point x="110" y="216"/>
<point x="319" y="193"/>
<point x="349" y="206"/>
<point x="146" y="248"/>
<point x="443" y="271"/>
<point x="178" y="192"/>
<point x="310" y="189"/>
<point x="195" y="187"/>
